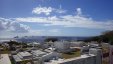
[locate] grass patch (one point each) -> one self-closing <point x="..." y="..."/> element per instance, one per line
<point x="71" y="54"/>
<point x="105" y="49"/>
<point x="5" y="52"/>
<point x="105" y="62"/>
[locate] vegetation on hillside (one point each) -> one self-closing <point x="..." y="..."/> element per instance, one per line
<point x="12" y="44"/>
<point x="51" y="39"/>
<point x="106" y="36"/>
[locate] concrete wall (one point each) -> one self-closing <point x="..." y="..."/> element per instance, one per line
<point x="77" y="44"/>
<point x="98" y="53"/>
<point x="96" y="59"/>
<point x="88" y="60"/>
<point x="111" y="54"/>
<point x="50" y="56"/>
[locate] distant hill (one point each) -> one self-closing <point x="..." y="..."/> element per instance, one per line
<point x="106" y="36"/>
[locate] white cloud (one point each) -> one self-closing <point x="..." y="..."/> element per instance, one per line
<point x="12" y="26"/>
<point x="46" y="10"/>
<point x="79" y="12"/>
<point x="60" y="10"/>
<point x="77" y="20"/>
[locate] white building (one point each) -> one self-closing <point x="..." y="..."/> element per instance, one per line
<point x="4" y="59"/>
<point x="77" y="44"/>
<point x="62" y="46"/>
<point x="45" y="56"/>
<point x="93" y="45"/>
<point x="34" y="44"/>
<point x="85" y="49"/>
<point x="21" y="56"/>
<point x="94" y="57"/>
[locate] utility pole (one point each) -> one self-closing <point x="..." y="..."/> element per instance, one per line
<point x="21" y="45"/>
<point x="111" y="54"/>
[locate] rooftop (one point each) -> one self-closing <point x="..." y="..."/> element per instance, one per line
<point x="4" y="59"/>
<point x="17" y="59"/>
<point x="25" y="54"/>
<point x="38" y="52"/>
<point x="21" y="56"/>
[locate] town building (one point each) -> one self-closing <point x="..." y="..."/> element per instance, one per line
<point x="4" y="59"/>
<point x="62" y="46"/>
<point x="94" y="57"/>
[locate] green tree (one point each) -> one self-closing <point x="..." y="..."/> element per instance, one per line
<point x="51" y="39"/>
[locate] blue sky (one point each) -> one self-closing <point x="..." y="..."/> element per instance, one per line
<point x="55" y="17"/>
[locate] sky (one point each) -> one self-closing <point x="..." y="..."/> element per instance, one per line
<point x="55" y="17"/>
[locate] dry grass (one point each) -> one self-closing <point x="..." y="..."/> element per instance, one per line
<point x="71" y="54"/>
<point x="105" y="62"/>
<point x="105" y="49"/>
<point x="5" y="52"/>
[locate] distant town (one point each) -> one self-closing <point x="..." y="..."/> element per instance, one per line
<point x="54" y="51"/>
